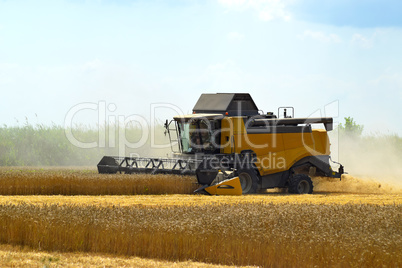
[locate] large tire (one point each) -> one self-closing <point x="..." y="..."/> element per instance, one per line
<point x="300" y="184"/>
<point x="248" y="180"/>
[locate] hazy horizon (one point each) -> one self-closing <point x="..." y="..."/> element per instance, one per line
<point x="132" y="56"/>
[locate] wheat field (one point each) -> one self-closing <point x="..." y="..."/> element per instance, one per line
<point x="262" y="234"/>
<point x="335" y="229"/>
<point x="19" y="257"/>
<point x="85" y="181"/>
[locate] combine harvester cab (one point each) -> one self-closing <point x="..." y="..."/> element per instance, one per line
<point x="232" y="148"/>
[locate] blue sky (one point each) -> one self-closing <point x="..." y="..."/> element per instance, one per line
<point x="308" y="54"/>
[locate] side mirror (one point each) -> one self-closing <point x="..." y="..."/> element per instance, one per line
<point x="166" y="127"/>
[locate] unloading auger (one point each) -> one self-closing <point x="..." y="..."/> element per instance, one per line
<point x="233" y="148"/>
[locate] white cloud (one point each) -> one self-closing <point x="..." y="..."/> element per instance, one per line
<point x="267" y="10"/>
<point x="362" y="41"/>
<point x="389" y="80"/>
<point x="91" y="65"/>
<point x="322" y="37"/>
<point x="232" y="2"/>
<point x="235" y="36"/>
<point x="365" y="41"/>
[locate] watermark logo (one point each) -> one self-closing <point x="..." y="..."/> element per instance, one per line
<point x="111" y="127"/>
<point x="263" y="134"/>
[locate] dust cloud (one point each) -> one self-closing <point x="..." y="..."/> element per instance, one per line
<point x="158" y="144"/>
<point x="351" y="184"/>
<point x="373" y="163"/>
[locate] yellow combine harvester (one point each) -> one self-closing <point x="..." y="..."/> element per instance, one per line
<point x="233" y="148"/>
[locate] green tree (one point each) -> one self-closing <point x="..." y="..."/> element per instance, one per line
<point x="351" y="127"/>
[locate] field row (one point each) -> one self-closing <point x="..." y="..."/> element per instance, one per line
<point x="62" y="181"/>
<point x="89" y="182"/>
<point x="262" y="233"/>
<point x="17" y="256"/>
<point x="199" y="200"/>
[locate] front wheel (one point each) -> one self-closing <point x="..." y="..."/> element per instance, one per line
<point x="300" y="184"/>
<point x="248" y="180"/>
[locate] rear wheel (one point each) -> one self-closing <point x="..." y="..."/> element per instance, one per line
<point x="248" y="180"/>
<point x="300" y="184"/>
